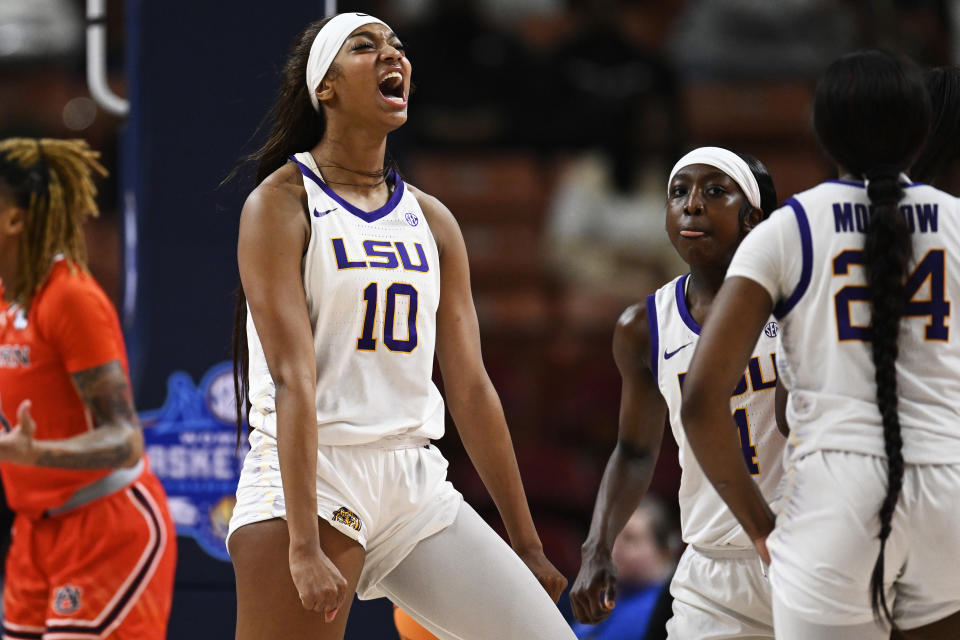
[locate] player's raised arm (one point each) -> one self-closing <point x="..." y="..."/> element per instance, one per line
<point x="629" y="470"/>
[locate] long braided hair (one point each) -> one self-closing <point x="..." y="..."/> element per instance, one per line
<point x="51" y="180"/>
<point x="871" y="114"/>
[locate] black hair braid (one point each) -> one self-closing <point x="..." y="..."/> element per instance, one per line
<point x="887" y="249"/>
<point x="879" y="144"/>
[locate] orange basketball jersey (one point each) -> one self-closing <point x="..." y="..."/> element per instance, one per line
<point x="71" y="326"/>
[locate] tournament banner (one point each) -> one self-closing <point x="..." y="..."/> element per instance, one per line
<point x="192" y="445"/>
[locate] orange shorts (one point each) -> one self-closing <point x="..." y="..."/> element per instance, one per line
<point x="103" y="570"/>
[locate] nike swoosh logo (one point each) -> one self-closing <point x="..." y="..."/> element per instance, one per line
<point x="320" y="214"/>
<point x="669" y="354"/>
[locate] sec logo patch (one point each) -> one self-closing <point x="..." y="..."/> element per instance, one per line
<point x="772" y="330"/>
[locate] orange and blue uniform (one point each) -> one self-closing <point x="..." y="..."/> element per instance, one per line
<point x="93" y="552"/>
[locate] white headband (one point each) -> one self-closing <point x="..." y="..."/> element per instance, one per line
<point x="327" y="44"/>
<point x="728" y="162"/>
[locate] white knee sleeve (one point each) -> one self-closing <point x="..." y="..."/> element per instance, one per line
<point x="466" y="583"/>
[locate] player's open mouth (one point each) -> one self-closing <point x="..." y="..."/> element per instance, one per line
<point x="391" y="88"/>
<point x="688" y="233"/>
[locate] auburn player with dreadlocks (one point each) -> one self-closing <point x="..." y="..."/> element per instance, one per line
<point x="93" y="549"/>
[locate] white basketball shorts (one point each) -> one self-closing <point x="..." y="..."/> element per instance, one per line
<point x="720" y="594"/>
<point x="825" y="543"/>
<point x="387" y="496"/>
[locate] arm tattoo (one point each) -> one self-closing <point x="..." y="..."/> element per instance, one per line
<point x="106" y="393"/>
<point x="114" y="454"/>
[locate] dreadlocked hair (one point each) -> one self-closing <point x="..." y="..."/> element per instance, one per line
<point x="52" y="181"/>
<point x="878" y="144"/>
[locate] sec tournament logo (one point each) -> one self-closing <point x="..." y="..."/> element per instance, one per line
<point x="772" y="330"/>
<point x="192" y="445"/>
<point x="220" y="397"/>
<point x="412" y="219"/>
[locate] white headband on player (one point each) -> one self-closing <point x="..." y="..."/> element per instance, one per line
<point x="327" y="44"/>
<point x="728" y="162"/>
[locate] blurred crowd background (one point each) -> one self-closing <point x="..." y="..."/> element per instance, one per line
<point x="546" y="126"/>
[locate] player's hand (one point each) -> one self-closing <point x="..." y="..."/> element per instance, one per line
<point x="321" y="586"/>
<point x="551" y="579"/>
<point x="17" y="444"/>
<point x="594" y="591"/>
<point x="761" y="545"/>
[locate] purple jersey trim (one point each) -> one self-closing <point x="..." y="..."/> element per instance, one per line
<point x="682" y="306"/>
<point x="366" y="216"/>
<point x="806" y="248"/>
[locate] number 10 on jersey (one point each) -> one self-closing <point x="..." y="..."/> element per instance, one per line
<point x="366" y="341"/>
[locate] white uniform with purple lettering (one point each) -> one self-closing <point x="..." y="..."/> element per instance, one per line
<point x="809" y="257"/>
<point x="719" y="588"/>
<point x="372" y="282"/>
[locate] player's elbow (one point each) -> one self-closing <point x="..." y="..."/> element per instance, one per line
<point x="294" y="379"/>
<point x="635" y="453"/>
<point x="133" y="446"/>
<point x="470" y="394"/>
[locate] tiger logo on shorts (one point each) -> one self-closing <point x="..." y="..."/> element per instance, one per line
<point x="347" y="517"/>
<point x="66" y="599"/>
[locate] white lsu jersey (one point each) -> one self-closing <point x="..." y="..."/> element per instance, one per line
<point x="809" y="257"/>
<point x="705" y="519"/>
<point x="372" y="282"/>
